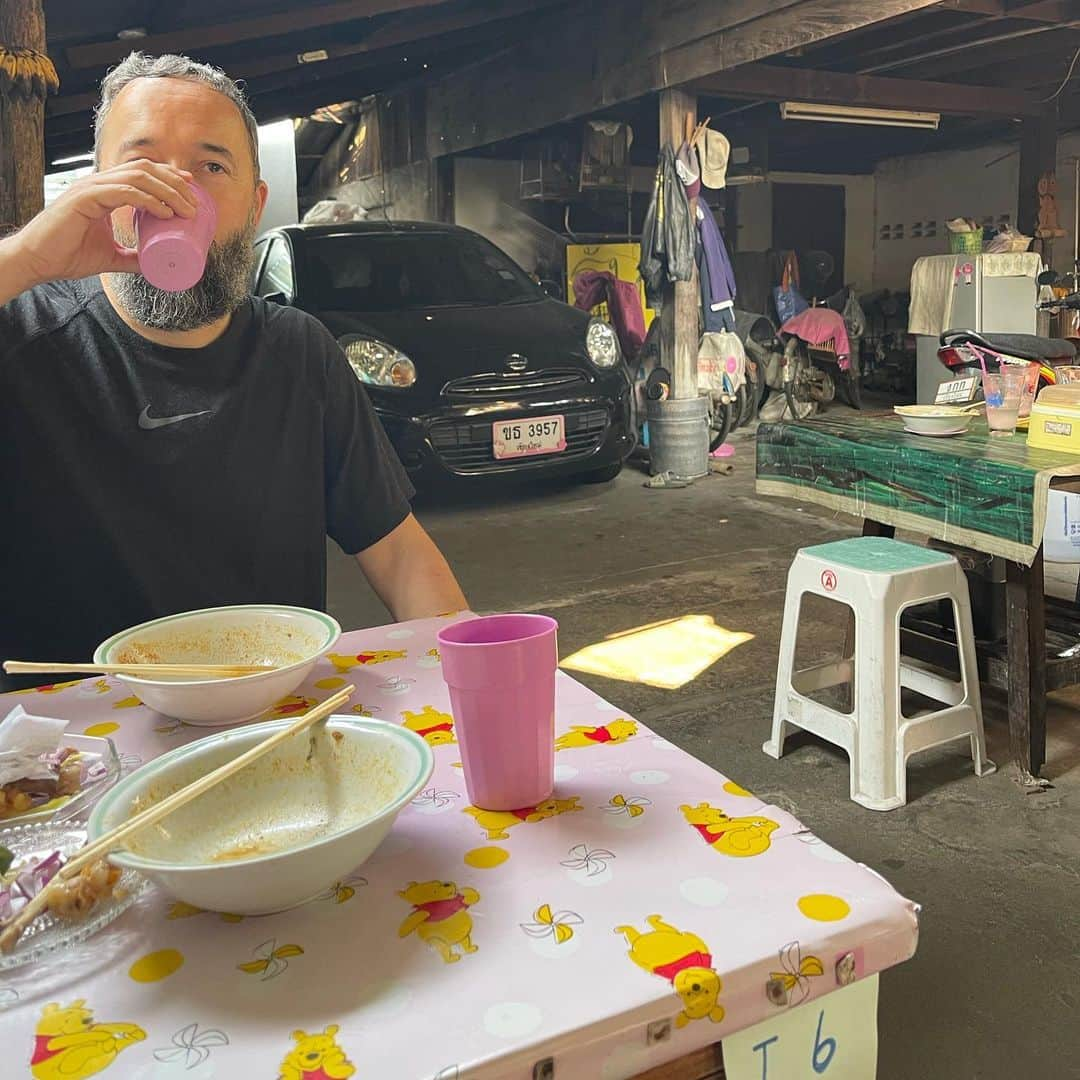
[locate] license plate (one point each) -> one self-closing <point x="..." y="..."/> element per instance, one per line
<point x="526" y="438"/>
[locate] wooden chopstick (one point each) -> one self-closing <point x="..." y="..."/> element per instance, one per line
<point x="145" y="671"/>
<point x="153" y="814"/>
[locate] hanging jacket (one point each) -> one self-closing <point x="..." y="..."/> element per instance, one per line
<point x="669" y="235"/>
<point x="717" y="276"/>
<point x="623" y="299"/>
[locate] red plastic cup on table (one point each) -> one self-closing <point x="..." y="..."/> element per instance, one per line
<point x="501" y="673"/>
<point x="173" y="251"/>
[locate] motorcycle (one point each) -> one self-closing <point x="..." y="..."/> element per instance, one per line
<point x="815" y="371"/>
<point x="968" y="352"/>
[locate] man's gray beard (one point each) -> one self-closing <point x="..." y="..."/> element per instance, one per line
<point x="222" y="289"/>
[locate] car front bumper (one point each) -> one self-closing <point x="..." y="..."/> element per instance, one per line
<point x="457" y="440"/>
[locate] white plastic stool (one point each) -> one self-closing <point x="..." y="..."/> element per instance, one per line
<point x="878" y="579"/>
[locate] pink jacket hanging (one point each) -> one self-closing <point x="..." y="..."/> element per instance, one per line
<point x="592" y="287"/>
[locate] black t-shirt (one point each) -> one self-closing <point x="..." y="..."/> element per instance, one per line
<point x="140" y="480"/>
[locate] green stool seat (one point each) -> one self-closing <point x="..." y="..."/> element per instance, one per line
<point x="877" y="555"/>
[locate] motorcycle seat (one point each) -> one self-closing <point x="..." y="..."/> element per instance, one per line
<point x="1024" y="346"/>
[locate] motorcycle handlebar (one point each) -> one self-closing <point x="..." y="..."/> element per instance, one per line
<point x="1069" y="303"/>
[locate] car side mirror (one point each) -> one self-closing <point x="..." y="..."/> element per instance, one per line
<point x="1048" y="277"/>
<point x="278" y="298"/>
<point x="552" y="288"/>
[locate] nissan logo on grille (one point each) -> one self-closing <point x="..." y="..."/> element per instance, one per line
<point x="516" y="362"/>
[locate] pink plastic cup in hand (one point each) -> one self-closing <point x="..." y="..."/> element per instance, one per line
<point x="172" y="251"/>
<point x="501" y="673"/>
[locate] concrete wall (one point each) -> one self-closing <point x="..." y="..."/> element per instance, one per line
<point x="401" y="194"/>
<point x="917" y="190"/>
<point x="277" y="159"/>
<point x="979" y="183"/>
<point x="486" y="200"/>
<point x="755" y="219"/>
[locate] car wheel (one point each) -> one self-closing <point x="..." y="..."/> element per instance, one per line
<point x="602" y="476"/>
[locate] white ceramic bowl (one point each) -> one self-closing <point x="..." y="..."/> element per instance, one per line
<point x="934" y="419"/>
<point x="293" y="638"/>
<point x="283" y="830"/>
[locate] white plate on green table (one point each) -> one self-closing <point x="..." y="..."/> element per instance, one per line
<point x="935" y="420"/>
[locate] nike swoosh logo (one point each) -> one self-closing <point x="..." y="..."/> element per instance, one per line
<point x="148" y="422"/>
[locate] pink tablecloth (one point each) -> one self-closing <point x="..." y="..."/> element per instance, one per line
<point x="537" y="912"/>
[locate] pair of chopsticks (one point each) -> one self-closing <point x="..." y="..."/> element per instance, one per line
<point x="11" y="932"/>
<point x="139" y="671"/>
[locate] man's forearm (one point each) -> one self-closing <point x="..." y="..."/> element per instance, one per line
<point x="410" y="574"/>
<point x="427" y="590"/>
<point x="14" y="277"/>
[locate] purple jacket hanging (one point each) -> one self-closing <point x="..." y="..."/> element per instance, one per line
<point x="717" y="276"/>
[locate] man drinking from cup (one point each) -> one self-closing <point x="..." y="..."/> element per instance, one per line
<point x="165" y="451"/>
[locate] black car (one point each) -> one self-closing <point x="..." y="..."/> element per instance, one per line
<point x="473" y="369"/>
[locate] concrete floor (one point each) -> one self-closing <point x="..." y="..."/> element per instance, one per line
<point x="994" y="989"/>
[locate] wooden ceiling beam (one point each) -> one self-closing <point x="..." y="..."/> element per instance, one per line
<point x="263" y="75"/>
<point x="771" y="82"/>
<point x="1055" y="48"/>
<point x="302" y="17"/>
<point x="401" y="32"/>
<point x="604" y="60"/>
<point x="1049" y="11"/>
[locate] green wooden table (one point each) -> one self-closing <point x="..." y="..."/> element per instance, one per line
<point x="974" y="491"/>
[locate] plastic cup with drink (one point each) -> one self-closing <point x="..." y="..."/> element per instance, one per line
<point x="1003" y="391"/>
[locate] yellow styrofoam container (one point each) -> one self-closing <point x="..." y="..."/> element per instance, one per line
<point x="1054" y="425"/>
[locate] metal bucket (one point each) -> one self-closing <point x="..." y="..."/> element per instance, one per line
<point x="679" y="437"/>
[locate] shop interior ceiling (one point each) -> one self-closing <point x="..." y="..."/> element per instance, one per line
<point x="1016" y="45"/>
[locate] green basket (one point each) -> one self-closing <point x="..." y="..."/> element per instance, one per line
<point x="966" y="243"/>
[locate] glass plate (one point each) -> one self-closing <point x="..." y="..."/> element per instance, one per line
<point x="91" y="751"/>
<point x="46" y="934"/>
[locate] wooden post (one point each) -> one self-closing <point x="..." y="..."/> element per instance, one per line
<point x="679" y="337"/>
<point x="22" y="111"/>
<point x="1038" y="159"/>
<point x="1025" y="614"/>
<point x="442" y="189"/>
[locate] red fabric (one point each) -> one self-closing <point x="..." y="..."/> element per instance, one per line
<point x="601" y="734"/>
<point x="592" y="287"/>
<point x="691" y="960"/>
<point x="437" y="727"/>
<point x="817" y="325"/>
<point x="41" y="1050"/>
<point x="708" y="834"/>
<point x="440" y="910"/>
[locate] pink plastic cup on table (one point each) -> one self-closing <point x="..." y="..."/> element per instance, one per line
<point x="173" y="251"/>
<point x="501" y="673"/>
<point x="1031" y="385"/>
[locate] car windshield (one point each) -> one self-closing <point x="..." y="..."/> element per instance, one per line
<point x="395" y="271"/>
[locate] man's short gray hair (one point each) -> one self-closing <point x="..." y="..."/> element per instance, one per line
<point x="138" y="65"/>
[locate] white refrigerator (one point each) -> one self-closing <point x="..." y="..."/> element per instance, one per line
<point x="989" y="293"/>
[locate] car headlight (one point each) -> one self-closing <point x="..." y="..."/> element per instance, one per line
<point x="601" y="344"/>
<point x="377" y="363"/>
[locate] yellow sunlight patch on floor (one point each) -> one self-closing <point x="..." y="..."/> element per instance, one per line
<point x="666" y="654"/>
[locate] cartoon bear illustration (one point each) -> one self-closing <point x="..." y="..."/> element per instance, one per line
<point x="440" y="916"/>
<point x="739" y="837"/>
<point x="293" y="705"/>
<point x="68" y="1045"/>
<point x="434" y="727"/>
<point x="316" y="1057"/>
<point x="496" y="822"/>
<point x="362" y="659"/>
<point x="618" y="731"/>
<point x="684" y="960"/>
